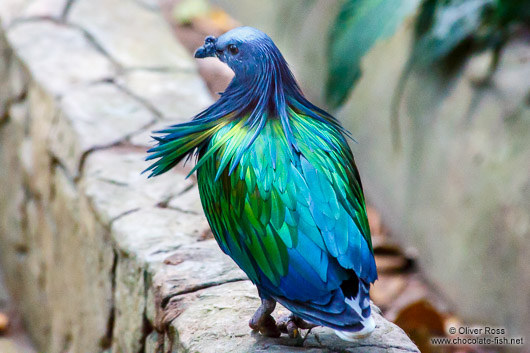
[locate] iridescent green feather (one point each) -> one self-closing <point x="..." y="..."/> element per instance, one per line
<point x="268" y="201"/>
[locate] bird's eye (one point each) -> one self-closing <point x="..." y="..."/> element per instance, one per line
<point x="233" y="49"/>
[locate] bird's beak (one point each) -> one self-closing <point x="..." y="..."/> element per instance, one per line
<point x="208" y="49"/>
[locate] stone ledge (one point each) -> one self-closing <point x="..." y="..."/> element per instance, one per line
<point x="102" y="258"/>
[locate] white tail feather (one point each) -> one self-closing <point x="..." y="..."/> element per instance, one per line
<point x="369" y="327"/>
<point x="368" y="323"/>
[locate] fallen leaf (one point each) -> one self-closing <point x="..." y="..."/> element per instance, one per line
<point x="387" y="288"/>
<point x="386" y="247"/>
<point x="417" y="289"/>
<point x="186" y="11"/>
<point x="4" y="322"/>
<point x="421" y="321"/>
<point x="391" y="263"/>
<point x="222" y="20"/>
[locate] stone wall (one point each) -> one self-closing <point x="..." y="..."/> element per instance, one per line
<point x="100" y="258"/>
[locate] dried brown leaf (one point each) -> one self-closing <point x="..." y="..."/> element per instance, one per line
<point x="391" y="263"/>
<point x="387" y="288"/>
<point x="4" y="322"/>
<point x="421" y="321"/>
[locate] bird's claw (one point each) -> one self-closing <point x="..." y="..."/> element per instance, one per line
<point x="263" y="321"/>
<point x="292" y="325"/>
<point x="266" y="325"/>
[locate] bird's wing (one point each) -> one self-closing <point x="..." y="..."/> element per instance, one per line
<point x="294" y="221"/>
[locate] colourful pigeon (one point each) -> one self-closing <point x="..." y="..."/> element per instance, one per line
<point x="281" y="191"/>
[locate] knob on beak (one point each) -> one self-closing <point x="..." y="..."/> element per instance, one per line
<point x="208" y="49"/>
<point x="200" y="53"/>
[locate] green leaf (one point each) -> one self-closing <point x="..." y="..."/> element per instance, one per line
<point x="512" y="11"/>
<point x="443" y="25"/>
<point x="185" y="11"/>
<point x="359" y="25"/>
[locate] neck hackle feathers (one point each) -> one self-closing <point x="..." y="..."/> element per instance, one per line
<point x="263" y="88"/>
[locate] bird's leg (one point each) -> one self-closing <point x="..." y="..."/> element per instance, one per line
<point x="263" y="321"/>
<point x="291" y="324"/>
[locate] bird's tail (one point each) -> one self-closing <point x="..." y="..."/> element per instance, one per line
<point x="361" y="305"/>
<point x="369" y="327"/>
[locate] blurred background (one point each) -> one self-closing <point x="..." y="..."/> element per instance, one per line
<point x="437" y="96"/>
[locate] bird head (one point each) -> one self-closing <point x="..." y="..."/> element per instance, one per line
<point x="263" y="84"/>
<point x="246" y="50"/>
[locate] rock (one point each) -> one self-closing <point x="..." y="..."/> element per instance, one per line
<point x="37" y="275"/>
<point x="93" y="117"/>
<point x="188" y="201"/>
<point x="195" y="266"/>
<point x="81" y="273"/>
<point x="13" y="79"/>
<point x="115" y="185"/>
<point x="39" y="176"/>
<point x="129" y="304"/>
<point x="17" y="80"/>
<point x="5" y="58"/>
<point x="178" y="96"/>
<point x="45" y="8"/>
<point x="153" y="234"/>
<point x="145" y="238"/>
<point x="11" y="10"/>
<point x="216" y="320"/>
<point x="61" y="57"/>
<point x="135" y="37"/>
<point x="13" y="242"/>
<point x="144" y="138"/>
<point x="13" y="337"/>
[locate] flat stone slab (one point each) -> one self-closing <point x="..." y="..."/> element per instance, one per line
<point x="177" y="95"/>
<point x="216" y="320"/>
<point x="11" y="10"/>
<point x="60" y="57"/>
<point x="114" y="183"/>
<point x="132" y="35"/>
<point x="94" y="117"/>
